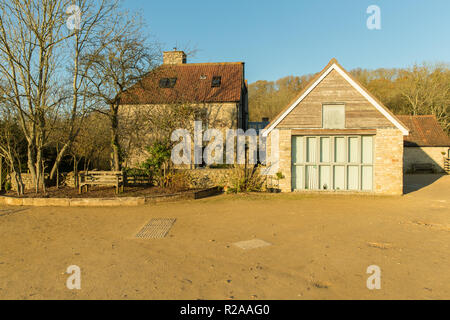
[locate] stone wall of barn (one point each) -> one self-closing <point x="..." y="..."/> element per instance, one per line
<point x="285" y="160"/>
<point x="388" y="161"/>
<point x="432" y="155"/>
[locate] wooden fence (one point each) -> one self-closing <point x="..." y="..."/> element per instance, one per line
<point x="137" y="179"/>
<point x="118" y="179"/>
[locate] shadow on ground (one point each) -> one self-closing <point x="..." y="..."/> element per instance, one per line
<point x="415" y="182"/>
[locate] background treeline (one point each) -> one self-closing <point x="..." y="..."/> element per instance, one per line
<point x="418" y="90"/>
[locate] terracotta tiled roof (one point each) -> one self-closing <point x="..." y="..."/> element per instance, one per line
<point x="193" y="84"/>
<point x="425" y="131"/>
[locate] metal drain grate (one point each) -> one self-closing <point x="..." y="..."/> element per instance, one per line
<point x="156" y="228"/>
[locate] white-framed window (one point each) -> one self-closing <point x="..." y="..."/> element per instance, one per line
<point x="333" y="116"/>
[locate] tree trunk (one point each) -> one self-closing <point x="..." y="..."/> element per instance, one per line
<point x="19" y="183"/>
<point x="75" y="172"/>
<point x="58" y="160"/>
<point x="38" y="169"/>
<point x="31" y="160"/>
<point x="115" y="146"/>
<point x="1" y="174"/>
<point x="43" y="177"/>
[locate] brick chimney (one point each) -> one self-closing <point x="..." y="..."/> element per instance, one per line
<point x="174" y="57"/>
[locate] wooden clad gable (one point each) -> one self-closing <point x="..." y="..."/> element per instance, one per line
<point x="334" y="89"/>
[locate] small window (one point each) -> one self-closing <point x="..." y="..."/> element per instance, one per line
<point x="334" y="117"/>
<point x="216" y="82"/>
<point x="167" y="82"/>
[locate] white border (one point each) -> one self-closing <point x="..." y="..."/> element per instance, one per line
<point x="354" y="85"/>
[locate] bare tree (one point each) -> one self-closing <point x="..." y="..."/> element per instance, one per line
<point x="426" y="90"/>
<point x="30" y="34"/>
<point x="93" y="142"/>
<point x="46" y="71"/>
<point x="98" y="25"/>
<point x="11" y="143"/>
<point x="127" y="57"/>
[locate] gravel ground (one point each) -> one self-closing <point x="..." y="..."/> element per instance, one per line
<point x="321" y="247"/>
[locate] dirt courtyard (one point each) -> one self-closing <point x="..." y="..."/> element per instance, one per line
<point x="321" y="248"/>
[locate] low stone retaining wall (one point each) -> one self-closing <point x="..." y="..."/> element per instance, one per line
<point x="60" y="202"/>
<point x="106" y="202"/>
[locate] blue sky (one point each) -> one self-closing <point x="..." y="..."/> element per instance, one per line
<point x="296" y="37"/>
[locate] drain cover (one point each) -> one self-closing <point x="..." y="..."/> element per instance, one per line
<point x="156" y="229"/>
<point x="252" y="244"/>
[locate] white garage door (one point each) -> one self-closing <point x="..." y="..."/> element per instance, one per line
<point x="332" y="163"/>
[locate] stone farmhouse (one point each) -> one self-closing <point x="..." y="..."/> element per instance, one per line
<point x="218" y="91"/>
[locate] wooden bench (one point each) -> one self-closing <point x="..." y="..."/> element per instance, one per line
<point x="422" y="167"/>
<point x="102" y="178"/>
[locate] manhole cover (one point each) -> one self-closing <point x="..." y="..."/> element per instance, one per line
<point x="252" y="244"/>
<point x="156" y="229"/>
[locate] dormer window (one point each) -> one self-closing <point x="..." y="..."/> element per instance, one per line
<point x="167" y="82"/>
<point x="216" y="82"/>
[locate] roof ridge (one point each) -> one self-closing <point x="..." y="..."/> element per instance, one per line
<point x="424" y="116"/>
<point x="204" y="63"/>
<point x="414" y="117"/>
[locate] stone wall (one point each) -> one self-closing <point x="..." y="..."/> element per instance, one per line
<point x="134" y="119"/>
<point x="285" y="160"/>
<point x="200" y="178"/>
<point x="26" y="179"/>
<point x="208" y="178"/>
<point x="66" y="179"/>
<point x="388" y="162"/>
<point x="282" y="162"/>
<point x="432" y="155"/>
<point x="174" y="57"/>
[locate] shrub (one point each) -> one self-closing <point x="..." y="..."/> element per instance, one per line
<point x="178" y="180"/>
<point x="245" y="180"/>
<point x="159" y="168"/>
<point x="157" y="164"/>
<point x="279" y="176"/>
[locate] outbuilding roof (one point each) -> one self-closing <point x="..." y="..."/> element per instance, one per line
<point x="425" y="131"/>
